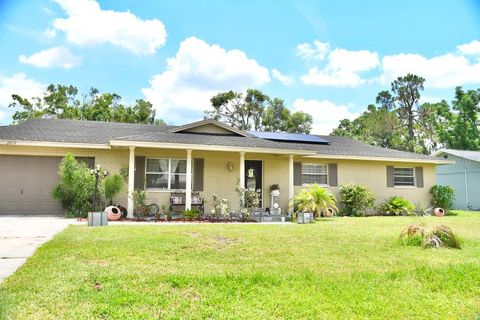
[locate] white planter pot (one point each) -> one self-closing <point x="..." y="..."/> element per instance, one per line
<point x="305" y="217"/>
<point x="97" y="219"/>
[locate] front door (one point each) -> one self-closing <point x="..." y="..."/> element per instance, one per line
<point x="254" y="177"/>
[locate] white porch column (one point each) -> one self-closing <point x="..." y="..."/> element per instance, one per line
<point x="188" y="188"/>
<point x="291" y="188"/>
<point x="131" y="181"/>
<point x="242" y="170"/>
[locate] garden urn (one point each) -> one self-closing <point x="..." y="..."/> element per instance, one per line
<point x="113" y="213"/>
<point x="438" y="212"/>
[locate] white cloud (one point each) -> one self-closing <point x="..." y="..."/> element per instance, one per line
<point x="429" y="99"/>
<point x="286" y="80"/>
<point x="326" y="114"/>
<point x="444" y="71"/>
<point x="50" y="33"/>
<point x="315" y="51"/>
<point x="342" y="68"/>
<point x="354" y="61"/>
<point x="88" y="24"/>
<point x="53" y="57"/>
<point x="471" y="48"/>
<point x="18" y="84"/>
<point x="196" y="73"/>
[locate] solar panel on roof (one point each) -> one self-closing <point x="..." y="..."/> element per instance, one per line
<point x="292" y="137"/>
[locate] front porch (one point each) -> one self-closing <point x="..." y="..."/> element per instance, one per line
<point x="162" y="172"/>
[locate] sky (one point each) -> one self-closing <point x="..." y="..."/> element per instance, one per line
<point x="327" y="58"/>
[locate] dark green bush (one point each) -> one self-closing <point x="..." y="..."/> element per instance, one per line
<point x="355" y="200"/>
<point x="75" y="187"/>
<point x="442" y="197"/>
<point x="396" y="206"/>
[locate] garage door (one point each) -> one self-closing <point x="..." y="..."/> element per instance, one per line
<point x="26" y="184"/>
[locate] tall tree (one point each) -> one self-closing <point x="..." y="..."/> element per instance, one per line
<point x="278" y="118"/>
<point x="64" y="102"/>
<point x="463" y="131"/>
<point x="377" y="126"/>
<point x="400" y="122"/>
<point x="434" y="118"/>
<point x="403" y="98"/>
<point x="238" y="110"/>
<point x="256" y="111"/>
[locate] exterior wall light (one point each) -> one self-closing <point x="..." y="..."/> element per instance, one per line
<point x="230" y="166"/>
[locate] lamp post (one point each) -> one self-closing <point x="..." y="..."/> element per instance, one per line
<point x="97" y="172"/>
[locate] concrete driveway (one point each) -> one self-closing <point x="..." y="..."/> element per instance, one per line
<point x="20" y="236"/>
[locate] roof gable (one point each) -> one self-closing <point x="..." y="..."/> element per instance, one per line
<point x="209" y="126"/>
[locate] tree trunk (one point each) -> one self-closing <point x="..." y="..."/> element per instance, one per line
<point x="411" y="132"/>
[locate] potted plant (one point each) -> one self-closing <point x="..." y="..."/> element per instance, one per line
<point x="311" y="202"/>
<point x="191" y="214"/>
<point x="139" y="197"/>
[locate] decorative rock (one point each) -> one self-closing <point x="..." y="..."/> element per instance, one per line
<point x="114" y="214"/>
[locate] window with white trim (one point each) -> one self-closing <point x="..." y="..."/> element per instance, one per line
<point x="403" y="177"/>
<point x="166" y="174"/>
<point x="314" y="173"/>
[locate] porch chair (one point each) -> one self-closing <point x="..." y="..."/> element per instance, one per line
<point x="177" y="204"/>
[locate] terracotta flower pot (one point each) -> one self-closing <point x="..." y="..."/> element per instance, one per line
<point x="438" y="212"/>
<point x="328" y="213"/>
<point x="114" y="214"/>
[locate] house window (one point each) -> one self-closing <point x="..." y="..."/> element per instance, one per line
<point x="314" y="173"/>
<point x="403" y="177"/>
<point x="169" y="174"/>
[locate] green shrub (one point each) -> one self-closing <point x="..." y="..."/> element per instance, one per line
<point x="314" y="199"/>
<point x="396" y="206"/>
<point x="112" y="185"/>
<point x="355" y="199"/>
<point x="139" y="197"/>
<point x="442" y="197"/>
<point x="191" y="214"/>
<point x="75" y="187"/>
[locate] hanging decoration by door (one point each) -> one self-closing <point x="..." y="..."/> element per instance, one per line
<point x="251" y="179"/>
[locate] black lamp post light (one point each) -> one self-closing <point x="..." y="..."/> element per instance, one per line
<point x="97" y="172"/>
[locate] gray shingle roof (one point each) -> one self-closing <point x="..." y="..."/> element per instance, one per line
<point x="74" y="131"/>
<point x="466" y="154"/>
<point x="97" y="132"/>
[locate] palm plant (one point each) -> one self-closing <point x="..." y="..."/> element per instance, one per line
<point x="314" y="199"/>
<point x="422" y="209"/>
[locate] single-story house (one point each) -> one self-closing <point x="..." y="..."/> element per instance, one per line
<point x="463" y="176"/>
<point x="205" y="156"/>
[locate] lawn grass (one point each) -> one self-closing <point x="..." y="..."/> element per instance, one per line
<point x="341" y="268"/>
